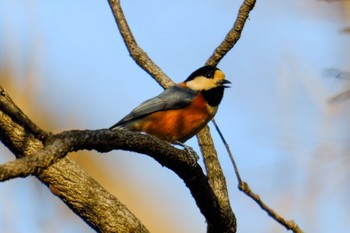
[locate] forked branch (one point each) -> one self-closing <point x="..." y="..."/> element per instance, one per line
<point x="214" y="172"/>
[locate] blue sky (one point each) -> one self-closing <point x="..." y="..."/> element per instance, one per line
<point x="289" y="142"/>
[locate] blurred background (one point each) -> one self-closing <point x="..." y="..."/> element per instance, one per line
<point x="65" y="65"/>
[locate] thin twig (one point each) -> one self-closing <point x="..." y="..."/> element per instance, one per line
<point x="288" y="224"/>
<point x="229" y="152"/>
<point x="244" y="187"/>
<point x="340" y="97"/>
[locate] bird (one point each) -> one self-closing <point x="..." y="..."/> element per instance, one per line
<point x="182" y="110"/>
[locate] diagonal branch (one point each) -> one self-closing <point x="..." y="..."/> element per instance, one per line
<point x="234" y="34"/>
<point x="136" y="52"/>
<point x="288" y="224"/>
<point x="244" y="187"/>
<point x="215" y="174"/>
<point x="20" y="117"/>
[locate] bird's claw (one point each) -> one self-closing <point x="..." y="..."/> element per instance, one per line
<point x="189" y="151"/>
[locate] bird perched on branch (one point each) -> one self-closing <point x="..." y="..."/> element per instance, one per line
<point x="181" y="111"/>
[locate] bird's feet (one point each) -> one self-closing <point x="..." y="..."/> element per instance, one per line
<point x="189" y="151"/>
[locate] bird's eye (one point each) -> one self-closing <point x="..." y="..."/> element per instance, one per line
<point x="209" y="75"/>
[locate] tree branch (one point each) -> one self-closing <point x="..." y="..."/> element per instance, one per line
<point x="20" y="117"/>
<point x="136" y="52"/>
<point x="244" y="187"/>
<point x="89" y="200"/>
<point x="234" y="34"/>
<point x="66" y="180"/>
<point x="215" y="174"/>
<point x="288" y="224"/>
<point x="105" y="140"/>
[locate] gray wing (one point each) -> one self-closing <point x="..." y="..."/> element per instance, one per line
<point x="174" y="97"/>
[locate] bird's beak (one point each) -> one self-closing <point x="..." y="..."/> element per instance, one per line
<point x="222" y="83"/>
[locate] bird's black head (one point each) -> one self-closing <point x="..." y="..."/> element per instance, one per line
<point x="205" y="71"/>
<point x="210" y="81"/>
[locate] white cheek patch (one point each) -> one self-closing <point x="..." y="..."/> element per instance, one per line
<point x="201" y="84"/>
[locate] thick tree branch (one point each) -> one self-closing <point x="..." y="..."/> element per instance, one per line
<point x="177" y="160"/>
<point x="101" y="210"/>
<point x="215" y="174"/>
<point x="59" y="145"/>
<point x="88" y="199"/>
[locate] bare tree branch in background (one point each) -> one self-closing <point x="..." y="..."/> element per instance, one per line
<point x="340" y="97"/>
<point x="346" y="30"/>
<point x="338" y="74"/>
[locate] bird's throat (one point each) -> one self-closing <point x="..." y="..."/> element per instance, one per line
<point x="213" y="96"/>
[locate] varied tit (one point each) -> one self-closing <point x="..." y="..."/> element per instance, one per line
<point x="180" y="111"/>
